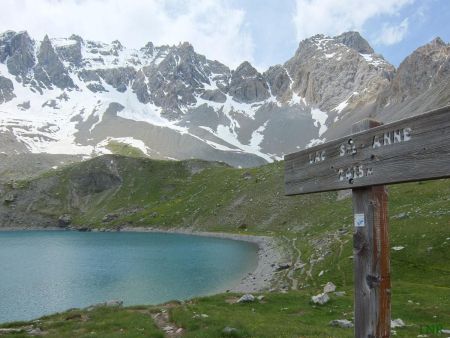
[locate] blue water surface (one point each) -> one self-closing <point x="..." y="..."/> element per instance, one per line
<point x="42" y="272"/>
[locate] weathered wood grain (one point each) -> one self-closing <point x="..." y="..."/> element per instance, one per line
<point x="371" y="258"/>
<point x="416" y="148"/>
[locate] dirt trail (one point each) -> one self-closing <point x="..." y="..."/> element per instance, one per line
<point x="162" y="321"/>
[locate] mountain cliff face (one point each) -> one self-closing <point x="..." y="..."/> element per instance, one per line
<point x="74" y="96"/>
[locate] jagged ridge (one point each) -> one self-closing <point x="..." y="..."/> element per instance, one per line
<point x="74" y="96"/>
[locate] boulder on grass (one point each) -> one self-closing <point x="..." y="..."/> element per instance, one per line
<point x="248" y="298"/>
<point x="320" y="299"/>
<point x="329" y="287"/>
<point x="344" y="323"/>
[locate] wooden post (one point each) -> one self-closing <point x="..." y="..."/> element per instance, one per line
<point x="371" y="257"/>
<point x="413" y="149"/>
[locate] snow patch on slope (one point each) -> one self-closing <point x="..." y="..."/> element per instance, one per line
<point x="373" y="60"/>
<point x="258" y="137"/>
<point x="319" y="117"/>
<point x="341" y="106"/>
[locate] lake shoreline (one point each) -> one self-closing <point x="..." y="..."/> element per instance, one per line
<point x="269" y="256"/>
<point x="260" y="279"/>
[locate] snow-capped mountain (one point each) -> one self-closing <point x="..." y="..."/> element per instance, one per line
<point x="74" y="96"/>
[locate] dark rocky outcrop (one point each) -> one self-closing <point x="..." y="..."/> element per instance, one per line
<point x="173" y="82"/>
<point x="278" y="80"/>
<point x="214" y="95"/>
<point x="71" y="52"/>
<point x="5" y="41"/>
<point x="248" y="85"/>
<point x="355" y="41"/>
<point x="94" y="181"/>
<point x="24" y="105"/>
<point x="6" y="90"/>
<point x="148" y="49"/>
<point x="50" y="70"/>
<point x="119" y="78"/>
<point x="18" y="51"/>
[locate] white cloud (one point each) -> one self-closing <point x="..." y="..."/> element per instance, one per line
<point x="334" y="17"/>
<point x="212" y="26"/>
<point x="390" y="34"/>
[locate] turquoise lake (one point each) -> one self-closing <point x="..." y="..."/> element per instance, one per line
<point x="43" y="272"/>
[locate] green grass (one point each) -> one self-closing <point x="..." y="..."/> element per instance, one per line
<point x="313" y="229"/>
<point x="277" y="315"/>
<point x="292" y="315"/>
<point x="120" y="148"/>
<point x="100" y="322"/>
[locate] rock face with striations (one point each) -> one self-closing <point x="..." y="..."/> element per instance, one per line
<point x="50" y="70"/>
<point x="326" y="72"/>
<point x="71" y="52"/>
<point x="421" y="83"/>
<point x="278" y="80"/>
<point x="248" y="85"/>
<point x="6" y="90"/>
<point x="120" y="78"/>
<point x="355" y="41"/>
<point x="17" y="49"/>
<point x="426" y="67"/>
<point x="174" y="82"/>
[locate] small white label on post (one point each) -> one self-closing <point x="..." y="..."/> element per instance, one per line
<point x="359" y="220"/>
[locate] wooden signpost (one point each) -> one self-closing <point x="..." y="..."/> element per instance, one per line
<point x="413" y="149"/>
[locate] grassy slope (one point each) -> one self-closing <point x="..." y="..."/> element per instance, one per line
<point x="315" y="229"/>
<point x="124" y="149"/>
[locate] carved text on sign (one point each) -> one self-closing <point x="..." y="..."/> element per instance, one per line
<point x="391" y="137"/>
<point x="348" y="148"/>
<point x="413" y="149"/>
<point x="354" y="172"/>
<point x="316" y="157"/>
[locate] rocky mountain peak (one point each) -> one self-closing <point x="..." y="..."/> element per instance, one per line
<point x="69" y="50"/>
<point x="45" y="49"/>
<point x="438" y="41"/>
<point x="19" y="41"/>
<point x="17" y="49"/>
<point x="173" y="79"/>
<point x="186" y="46"/>
<point x="326" y="44"/>
<point x="245" y="70"/>
<point x="355" y="41"/>
<point x="248" y="85"/>
<point x="330" y="72"/>
<point x="183" y="63"/>
<point x="117" y="45"/>
<point x="426" y="66"/>
<point x="50" y="70"/>
<point x="148" y="49"/>
<point x="81" y="94"/>
<point x="76" y="38"/>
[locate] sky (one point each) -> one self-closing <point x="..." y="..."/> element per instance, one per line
<point x="264" y="32"/>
